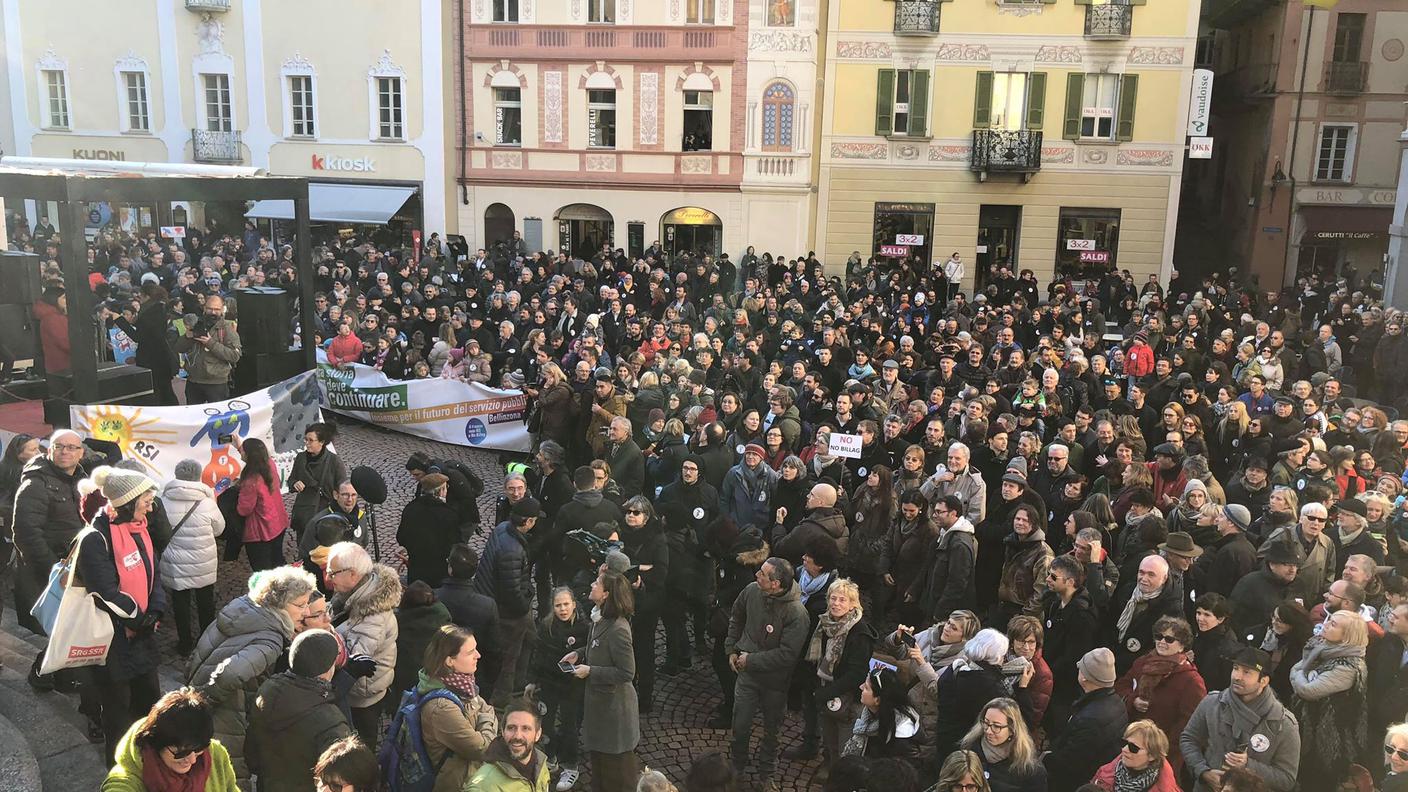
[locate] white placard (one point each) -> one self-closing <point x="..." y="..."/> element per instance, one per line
<point x="1200" y="102"/>
<point x="173" y="232"/>
<point x="909" y="239"/>
<point x="1080" y="244"/>
<point x="1200" y="148"/>
<point x="845" y="445"/>
<point x="982" y="248"/>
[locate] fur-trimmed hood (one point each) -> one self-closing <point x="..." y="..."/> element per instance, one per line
<point x="754" y="557"/>
<point x="379" y="592"/>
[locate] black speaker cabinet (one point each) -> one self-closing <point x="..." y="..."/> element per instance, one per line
<point x="264" y="323"/>
<point x="19" y="278"/>
<point x="117" y="384"/>
<point x="260" y="370"/>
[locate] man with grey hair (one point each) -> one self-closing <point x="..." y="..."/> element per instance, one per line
<point x="515" y="488"/>
<point x="626" y="460"/>
<point x="1352" y="536"/>
<point x="767" y="630"/>
<point x="1318" y="567"/>
<point x="958" y="478"/>
<point x="1136" y="607"/>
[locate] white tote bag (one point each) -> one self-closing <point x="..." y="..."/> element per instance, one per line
<point x="82" y="634"/>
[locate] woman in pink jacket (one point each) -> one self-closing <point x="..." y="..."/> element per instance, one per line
<point x="262" y="507"/>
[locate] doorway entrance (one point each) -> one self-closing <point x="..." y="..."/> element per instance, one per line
<point x="998" y="230"/>
<point x="498" y="225"/>
<point x="692" y="230"/>
<point x="582" y="229"/>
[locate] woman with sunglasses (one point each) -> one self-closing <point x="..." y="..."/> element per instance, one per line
<point x="1396" y="759"/>
<point x="1011" y="761"/>
<point x="1164" y="685"/>
<point x="1142" y="765"/>
<point x="172" y="750"/>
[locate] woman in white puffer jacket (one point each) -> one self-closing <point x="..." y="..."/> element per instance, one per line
<point x="188" y="565"/>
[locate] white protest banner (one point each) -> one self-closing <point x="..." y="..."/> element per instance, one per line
<point x="845" y="445"/>
<point x="173" y="232"/>
<point x="160" y="437"/>
<point x="450" y="411"/>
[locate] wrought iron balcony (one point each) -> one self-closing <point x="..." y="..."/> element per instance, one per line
<point x="208" y="6"/>
<point x="1345" y="77"/>
<point x="1005" y="151"/>
<point x="916" y="17"/>
<point x="216" y="147"/>
<point x="1108" y="20"/>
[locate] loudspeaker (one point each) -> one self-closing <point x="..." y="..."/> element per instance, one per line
<point x="16" y="329"/>
<point x="262" y="369"/>
<point x="265" y="327"/>
<point x="117" y="384"/>
<point x="19" y="278"/>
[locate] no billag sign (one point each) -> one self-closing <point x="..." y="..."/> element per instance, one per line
<point x="845" y="445"/>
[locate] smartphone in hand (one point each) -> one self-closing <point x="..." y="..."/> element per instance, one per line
<point x="565" y="667"/>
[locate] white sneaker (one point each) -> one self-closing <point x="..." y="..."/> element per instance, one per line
<point x="567" y="780"/>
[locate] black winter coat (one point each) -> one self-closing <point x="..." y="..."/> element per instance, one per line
<point x="1388" y="683"/>
<point x="1070" y="633"/>
<point x="505" y="573"/>
<point x="962" y="696"/>
<point x="46" y="513"/>
<point x="468" y="608"/>
<point x="853" y="666"/>
<point x="1229" y="559"/>
<point x="295" y="719"/>
<point x="554" y="639"/>
<point x="646" y="546"/>
<point x="129" y="656"/>
<point x="1091" y="737"/>
<point x="628" y="468"/>
<point x="585" y="510"/>
<point x="1212" y="651"/>
<point x="947" y="582"/>
<point x="1255" y="596"/>
<point x="1139" y="638"/>
<point x="429" y="528"/>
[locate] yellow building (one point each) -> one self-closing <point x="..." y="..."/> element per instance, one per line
<point x="1047" y="136"/>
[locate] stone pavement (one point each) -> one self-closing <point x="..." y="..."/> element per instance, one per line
<point x="671" y="737"/>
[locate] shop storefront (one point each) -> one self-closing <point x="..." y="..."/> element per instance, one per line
<point x="368" y="192"/>
<point x="1341" y="238"/>
<point x="903" y="230"/>
<point x="692" y="229"/>
<point x="583" y="228"/>
<point x="1087" y="242"/>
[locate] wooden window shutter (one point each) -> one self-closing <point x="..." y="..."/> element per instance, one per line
<point x="919" y="103"/>
<point x="1036" y="100"/>
<point x="1075" y="96"/>
<point x="982" y="101"/>
<point x="1124" y="120"/>
<point x="885" y="103"/>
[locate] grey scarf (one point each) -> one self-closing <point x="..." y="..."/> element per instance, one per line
<point x="1132" y="608"/>
<point x="995" y="754"/>
<point x="1246" y="716"/>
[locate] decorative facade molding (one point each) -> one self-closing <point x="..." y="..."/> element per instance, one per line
<point x="552" y="107"/>
<point x="862" y="151"/>
<point x="1146" y="158"/>
<point x="1058" y="54"/>
<point x="963" y="52"/>
<point x="600" y="68"/>
<point x="506" y="160"/>
<point x="525" y="12"/>
<point x="906" y="151"/>
<point x="601" y="163"/>
<point x="723" y="13"/>
<point x="210" y="36"/>
<point x="1095" y="156"/>
<point x="779" y="41"/>
<point x="132" y="62"/>
<point x="386" y="67"/>
<point x="1392" y="49"/>
<point x="297" y="65"/>
<point x="649" y="108"/>
<point x="1020" y="9"/>
<point x="480" y="12"/>
<point x="1158" y="56"/>
<point x="696" y="164"/>
<point x="698" y="68"/>
<point x="505" y="67"/>
<point x="1058" y="155"/>
<point x="950" y="153"/>
<point x="863" y="50"/>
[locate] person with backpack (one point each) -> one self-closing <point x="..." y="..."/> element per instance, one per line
<point x="464" y="488"/>
<point x="439" y="733"/>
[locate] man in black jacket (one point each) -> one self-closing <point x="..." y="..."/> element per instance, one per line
<point x="946" y="585"/>
<point x="1257" y="595"/>
<point x="45" y="521"/>
<point x="1134" y="610"/>
<point x="688" y="507"/>
<point x="1231" y="557"/>
<point x="505" y="574"/>
<point x="428" y="531"/>
<point x="1072" y="627"/>
<point x="627" y="462"/>
<point x="1093" y="734"/>
<point x="587" y="508"/>
<point x="553" y="489"/>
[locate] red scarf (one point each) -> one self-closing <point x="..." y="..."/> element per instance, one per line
<point x="157" y="777"/>
<point x="134" y="578"/>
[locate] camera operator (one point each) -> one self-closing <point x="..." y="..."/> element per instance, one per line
<point x="212" y="349"/>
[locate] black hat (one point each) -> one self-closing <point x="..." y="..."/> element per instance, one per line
<point x="1169" y="450"/>
<point x="602" y="374"/>
<point x="1284" y="553"/>
<point x="1253" y="658"/>
<point x="528" y="507"/>
<point x="1258" y="463"/>
<point x="1284" y="400"/>
<point x="313" y="652"/>
<point x="1180" y="543"/>
<point x="1353" y="506"/>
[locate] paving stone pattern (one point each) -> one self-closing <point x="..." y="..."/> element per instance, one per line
<point x="671" y="737"/>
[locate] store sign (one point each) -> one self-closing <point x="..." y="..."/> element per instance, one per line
<point x="1095" y="257"/>
<point x="909" y="239"/>
<point x="1200" y="148"/>
<point x="899" y="251"/>
<point x="1345" y="235"/>
<point x="1200" y="103"/>
<point x="692" y="215"/>
<point x="1319" y="195"/>
<point x="323" y="162"/>
<point x="1080" y="244"/>
<point x="100" y="154"/>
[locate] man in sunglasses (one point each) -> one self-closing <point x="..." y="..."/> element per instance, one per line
<point x="1244" y="726"/>
<point x="1319" y="567"/>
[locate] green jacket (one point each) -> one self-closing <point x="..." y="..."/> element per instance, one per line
<point x="500" y="774"/>
<point x="126" y="775"/>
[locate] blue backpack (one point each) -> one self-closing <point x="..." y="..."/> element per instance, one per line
<point x="405" y="764"/>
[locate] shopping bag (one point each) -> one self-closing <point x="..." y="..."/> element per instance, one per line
<point x="82" y="633"/>
<point x="46" y="605"/>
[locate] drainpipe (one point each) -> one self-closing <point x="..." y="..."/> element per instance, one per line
<point x="460" y="99"/>
<point x="1295" y="139"/>
<point x="823" y="8"/>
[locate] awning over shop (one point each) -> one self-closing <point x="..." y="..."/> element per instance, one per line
<point x="371" y="204"/>
<point x="1333" y="223"/>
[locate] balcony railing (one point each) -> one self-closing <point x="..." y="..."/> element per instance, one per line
<point x="1005" y="151"/>
<point x="916" y="17"/>
<point x="216" y="147"/>
<point x="1345" y="77"/>
<point x="578" y="42"/>
<point x="1108" y="20"/>
<point x="208" y="6"/>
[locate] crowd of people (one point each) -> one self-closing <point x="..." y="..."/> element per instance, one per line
<point x="1089" y="536"/>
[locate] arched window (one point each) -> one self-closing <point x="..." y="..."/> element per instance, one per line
<point x="778" y="104"/>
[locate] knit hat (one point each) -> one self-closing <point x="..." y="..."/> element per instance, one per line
<point x="121" y="487"/>
<point x="1098" y="666"/>
<point x="188" y="470"/>
<point x="618" y="562"/>
<point x="1238" y="515"/>
<point x="754" y="448"/>
<point x="1194" y="485"/>
<point x="313" y="653"/>
<point x="526" y="508"/>
<point x="656" y="414"/>
<point x="1016" y="472"/>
